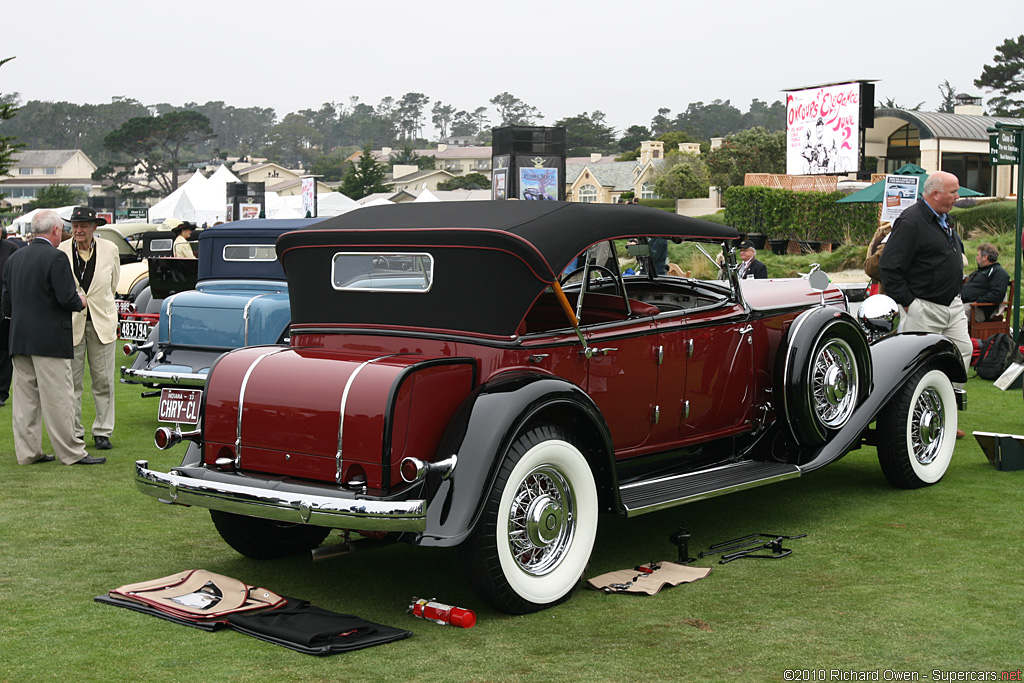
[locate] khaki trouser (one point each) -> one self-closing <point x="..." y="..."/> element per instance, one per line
<point x="101" y="372"/>
<point x="925" y="316"/>
<point x="42" y="391"/>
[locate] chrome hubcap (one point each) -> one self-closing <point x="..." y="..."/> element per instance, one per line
<point x="834" y="383"/>
<point x="541" y="521"/>
<point x="927" y="426"/>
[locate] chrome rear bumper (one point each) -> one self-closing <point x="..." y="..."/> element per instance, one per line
<point x="278" y="500"/>
<point x="162" y="377"/>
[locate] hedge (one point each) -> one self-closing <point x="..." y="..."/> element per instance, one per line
<point x="992" y="217"/>
<point x="812" y="216"/>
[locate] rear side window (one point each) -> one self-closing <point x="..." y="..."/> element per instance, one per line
<point x="161" y="245"/>
<point x="250" y="252"/>
<point x="382" y="272"/>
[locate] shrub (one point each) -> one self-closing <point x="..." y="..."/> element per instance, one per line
<point x="659" y="203"/>
<point x="785" y="214"/>
<point x="991" y="217"/>
<point x="718" y="217"/>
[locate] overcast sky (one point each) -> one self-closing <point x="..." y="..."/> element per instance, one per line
<point x="563" y="57"/>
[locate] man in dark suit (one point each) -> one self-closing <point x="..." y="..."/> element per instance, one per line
<point x="750" y="267"/>
<point x="7" y="247"/>
<point x="39" y="297"/>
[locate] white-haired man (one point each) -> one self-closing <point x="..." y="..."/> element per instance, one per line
<point x="39" y="296"/>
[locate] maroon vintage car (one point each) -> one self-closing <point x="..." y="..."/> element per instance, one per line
<point x="449" y="382"/>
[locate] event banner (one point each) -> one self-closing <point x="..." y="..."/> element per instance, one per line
<point x="900" y="192"/>
<point x="823" y="130"/>
<point x="309" y="196"/>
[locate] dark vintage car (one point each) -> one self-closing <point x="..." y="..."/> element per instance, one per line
<point x="444" y="386"/>
<point x="240" y="298"/>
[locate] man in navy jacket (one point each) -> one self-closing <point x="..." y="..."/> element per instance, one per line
<point x="39" y="296"/>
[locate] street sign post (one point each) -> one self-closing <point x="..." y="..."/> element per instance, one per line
<point x="1005" y="143"/>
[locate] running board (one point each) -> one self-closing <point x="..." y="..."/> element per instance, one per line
<point x="657" y="494"/>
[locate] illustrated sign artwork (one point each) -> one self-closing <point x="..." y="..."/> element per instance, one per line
<point x="538" y="183"/>
<point x="498" y="187"/>
<point x="309" y="197"/>
<point x="900" y="192"/>
<point x="247" y="211"/>
<point x="822" y="130"/>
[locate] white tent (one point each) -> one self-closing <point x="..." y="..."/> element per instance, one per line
<point x="22" y="225"/>
<point x="327" y="204"/>
<point x="379" y="201"/>
<point x="167" y="207"/>
<point x="206" y="200"/>
<point x="426" y="196"/>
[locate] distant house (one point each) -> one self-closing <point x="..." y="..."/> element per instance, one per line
<point x="457" y="160"/>
<point x="34" y="169"/>
<point x="463" y="160"/>
<point x="269" y="173"/>
<point x="413" y="179"/>
<point x="602" y="180"/>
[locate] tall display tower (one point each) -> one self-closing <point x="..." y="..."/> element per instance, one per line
<point x="528" y="162"/>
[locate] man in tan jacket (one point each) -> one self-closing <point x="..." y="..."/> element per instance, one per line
<point x="97" y="268"/>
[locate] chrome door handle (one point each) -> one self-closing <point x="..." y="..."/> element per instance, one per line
<point x="744" y="330"/>
<point x="590" y="351"/>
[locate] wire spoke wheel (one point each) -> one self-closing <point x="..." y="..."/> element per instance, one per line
<point x="927" y="426"/>
<point x="541" y="520"/>
<point x="834" y="383"/>
<point x="917" y="431"/>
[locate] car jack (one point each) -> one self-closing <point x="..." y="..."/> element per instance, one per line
<point x="681" y="539"/>
<point x="747" y="546"/>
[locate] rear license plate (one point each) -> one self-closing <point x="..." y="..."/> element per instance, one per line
<point x="180" y="406"/>
<point x="135" y="330"/>
<point x="125" y="307"/>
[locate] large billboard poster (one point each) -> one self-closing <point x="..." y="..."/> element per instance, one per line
<point x="823" y="130"/>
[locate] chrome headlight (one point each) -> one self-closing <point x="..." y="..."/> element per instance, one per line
<point x="879" y="315"/>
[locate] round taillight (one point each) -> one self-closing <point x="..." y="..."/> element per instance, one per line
<point x="412" y="469"/>
<point x="162" y="438"/>
<point x="128" y="349"/>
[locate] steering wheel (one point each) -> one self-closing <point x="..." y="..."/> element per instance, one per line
<point x="601" y="272"/>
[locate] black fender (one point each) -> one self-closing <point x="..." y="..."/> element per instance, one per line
<point x="484" y="428"/>
<point x="895" y="360"/>
<point x="802" y="338"/>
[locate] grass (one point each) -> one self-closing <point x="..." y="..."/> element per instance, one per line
<point x="885" y="579"/>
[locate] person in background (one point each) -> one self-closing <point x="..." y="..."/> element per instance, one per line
<point x="97" y="268"/>
<point x="39" y="297"/>
<point x="750" y="267"/>
<point x="875" y="248"/>
<point x="986" y="285"/>
<point x="7" y="247"/>
<point x="182" y="233"/>
<point x="922" y="266"/>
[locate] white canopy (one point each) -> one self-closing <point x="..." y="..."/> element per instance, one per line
<point x="327" y="204"/>
<point x="22" y="225"/>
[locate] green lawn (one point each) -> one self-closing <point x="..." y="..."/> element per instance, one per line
<point x="885" y="580"/>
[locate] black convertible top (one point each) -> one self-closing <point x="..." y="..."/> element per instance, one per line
<point x="555" y="231"/>
<point x="492" y="258"/>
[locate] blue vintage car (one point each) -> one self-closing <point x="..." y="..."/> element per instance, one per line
<point x="240" y="299"/>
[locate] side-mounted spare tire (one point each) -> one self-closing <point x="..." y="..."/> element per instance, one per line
<point x="826" y="374"/>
